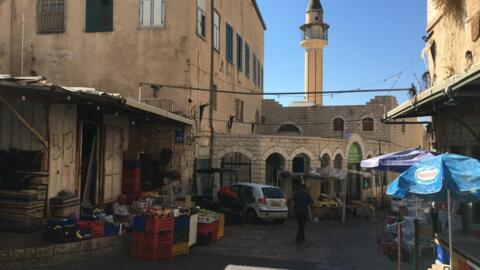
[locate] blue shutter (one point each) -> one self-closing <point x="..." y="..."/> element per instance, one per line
<point x="247" y="60"/>
<point x="254" y="69"/>
<point x="229" y="45"/>
<point x="239" y="52"/>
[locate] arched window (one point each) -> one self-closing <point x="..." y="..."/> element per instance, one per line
<point x="239" y="166"/>
<point x="338" y="163"/>
<point x="368" y="124"/>
<point x="274" y="164"/>
<point x="338" y="124"/>
<point x="301" y="164"/>
<point x="288" y="130"/>
<point x="325" y="161"/>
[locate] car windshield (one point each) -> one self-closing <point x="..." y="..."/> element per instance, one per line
<point x="273" y="193"/>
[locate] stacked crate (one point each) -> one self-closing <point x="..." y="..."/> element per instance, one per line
<point x="181" y="235"/>
<point x="221" y="226"/>
<point x="132" y="176"/>
<point x="156" y="241"/>
<point x="207" y="232"/>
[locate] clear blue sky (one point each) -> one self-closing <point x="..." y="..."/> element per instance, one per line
<point x="368" y="42"/>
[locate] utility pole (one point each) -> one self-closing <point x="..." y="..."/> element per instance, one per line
<point x="212" y="84"/>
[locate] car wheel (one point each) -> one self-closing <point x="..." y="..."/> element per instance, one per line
<point x="251" y="217"/>
<point x="279" y="221"/>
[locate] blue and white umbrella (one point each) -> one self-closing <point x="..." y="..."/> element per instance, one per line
<point x="397" y="161"/>
<point x="440" y="178"/>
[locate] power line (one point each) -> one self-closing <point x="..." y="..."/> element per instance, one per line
<point x="336" y="92"/>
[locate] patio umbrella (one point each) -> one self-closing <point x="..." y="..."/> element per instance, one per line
<point x="397" y="161"/>
<point x="440" y="178"/>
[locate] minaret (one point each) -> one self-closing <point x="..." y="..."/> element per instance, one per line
<point x="314" y="40"/>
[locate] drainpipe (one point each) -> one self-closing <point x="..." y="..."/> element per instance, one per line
<point x="212" y="85"/>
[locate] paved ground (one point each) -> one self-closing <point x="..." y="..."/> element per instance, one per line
<point x="331" y="245"/>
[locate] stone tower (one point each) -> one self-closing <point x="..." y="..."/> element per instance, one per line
<point x="314" y="40"/>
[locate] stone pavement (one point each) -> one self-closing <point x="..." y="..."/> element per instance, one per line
<point x="330" y="246"/>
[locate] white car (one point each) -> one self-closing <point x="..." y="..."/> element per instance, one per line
<point x="262" y="202"/>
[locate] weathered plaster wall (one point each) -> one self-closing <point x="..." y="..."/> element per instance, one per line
<point x="5" y="34"/>
<point x="118" y="61"/>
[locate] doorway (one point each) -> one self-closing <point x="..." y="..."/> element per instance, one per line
<point x="89" y="163"/>
<point x="354" y="180"/>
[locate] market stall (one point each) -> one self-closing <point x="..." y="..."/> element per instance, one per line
<point x="444" y="178"/>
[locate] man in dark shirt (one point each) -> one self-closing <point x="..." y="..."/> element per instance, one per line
<point x="302" y="200"/>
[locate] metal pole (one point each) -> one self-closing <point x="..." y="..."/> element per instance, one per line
<point x="212" y="84"/>
<point x="399" y="244"/>
<point x="381" y="176"/>
<point x="416" y="247"/>
<point x="449" y="208"/>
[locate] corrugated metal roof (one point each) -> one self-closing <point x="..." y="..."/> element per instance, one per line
<point x="38" y="87"/>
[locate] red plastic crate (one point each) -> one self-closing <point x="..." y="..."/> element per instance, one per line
<point x="98" y="229"/>
<point x="159" y="253"/>
<point x="137" y="251"/>
<point x="157" y="224"/>
<point x="205" y="229"/>
<point x="138" y="238"/>
<point x="84" y="224"/>
<point x="154" y="240"/>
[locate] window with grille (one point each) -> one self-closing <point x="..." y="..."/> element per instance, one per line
<point x="338" y="162"/>
<point x="368" y="124"/>
<point x="239" y="106"/>
<point x="216" y="31"/>
<point x="152" y="13"/>
<point x="338" y="124"/>
<point x="201" y="19"/>
<point x="50" y="16"/>
<point x="325" y="161"/>
<point x="99" y="16"/>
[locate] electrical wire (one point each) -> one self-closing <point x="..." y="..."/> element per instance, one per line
<point x="336" y="92"/>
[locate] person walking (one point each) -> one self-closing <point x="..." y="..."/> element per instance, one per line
<point x="301" y="202"/>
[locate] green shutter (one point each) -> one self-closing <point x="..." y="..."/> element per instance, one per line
<point x="99" y="16"/>
<point x="247" y="60"/>
<point x="92" y="12"/>
<point x="254" y="69"/>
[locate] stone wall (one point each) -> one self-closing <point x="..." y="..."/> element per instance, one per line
<point x="453" y="36"/>
<point x="317" y="121"/>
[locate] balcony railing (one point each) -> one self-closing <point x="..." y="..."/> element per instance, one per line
<point x="314" y="34"/>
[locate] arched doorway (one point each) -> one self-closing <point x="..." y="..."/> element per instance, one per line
<point x="301" y="164"/>
<point x="354" y="180"/>
<point x="274" y="163"/>
<point x="240" y="165"/>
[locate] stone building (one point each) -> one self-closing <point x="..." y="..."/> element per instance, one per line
<point x="138" y="48"/>
<point x="308" y="135"/>
<point x="452" y="100"/>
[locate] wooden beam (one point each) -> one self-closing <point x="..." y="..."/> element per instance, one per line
<point x="27" y="125"/>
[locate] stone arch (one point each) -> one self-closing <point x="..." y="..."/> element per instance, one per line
<point x="274" y="150"/>
<point x="355" y="138"/>
<point x="287" y="123"/>
<point x="335" y="117"/>
<point x="325" y="151"/>
<point x="236" y="149"/>
<point x="339" y="151"/>
<point x="370" y="153"/>
<point x="369" y="116"/>
<point x="302" y="150"/>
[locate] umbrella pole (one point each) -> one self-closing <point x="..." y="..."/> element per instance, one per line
<point x="450" y="243"/>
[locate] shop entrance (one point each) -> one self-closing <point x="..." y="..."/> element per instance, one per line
<point x="89" y="165"/>
<point x="353" y="180"/>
